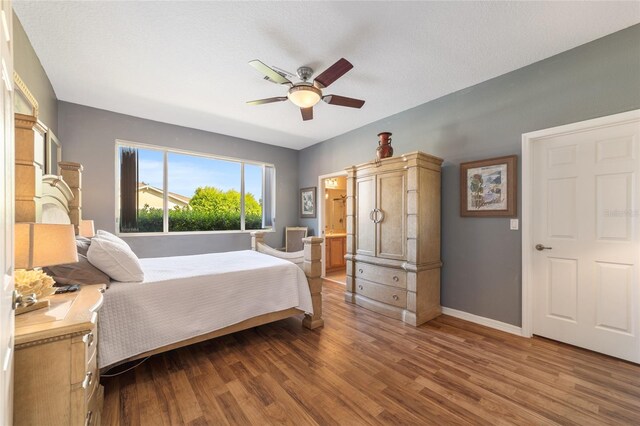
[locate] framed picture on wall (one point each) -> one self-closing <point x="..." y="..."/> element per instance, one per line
<point x="489" y="188"/>
<point x="308" y="202"/>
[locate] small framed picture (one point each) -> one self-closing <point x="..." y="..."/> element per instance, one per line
<point x="489" y="188"/>
<point x="308" y="202"/>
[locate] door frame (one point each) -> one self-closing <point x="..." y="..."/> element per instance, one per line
<point x="528" y="141"/>
<point x="320" y="209"/>
<point x="7" y="201"/>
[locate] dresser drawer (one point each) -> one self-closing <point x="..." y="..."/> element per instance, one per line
<point x="94" y="407"/>
<point x="92" y="376"/>
<point x="382" y="293"/>
<point x="83" y="355"/>
<point x="85" y="391"/>
<point x="381" y="275"/>
<point x="91" y="343"/>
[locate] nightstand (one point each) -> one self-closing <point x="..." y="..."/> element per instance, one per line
<point x="56" y="373"/>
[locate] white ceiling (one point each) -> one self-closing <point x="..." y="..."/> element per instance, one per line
<point x="185" y="63"/>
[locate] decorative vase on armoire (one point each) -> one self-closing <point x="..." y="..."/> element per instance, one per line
<point x="393" y="237"/>
<point x="384" y="150"/>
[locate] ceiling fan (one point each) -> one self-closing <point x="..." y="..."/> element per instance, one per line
<point x="305" y="94"/>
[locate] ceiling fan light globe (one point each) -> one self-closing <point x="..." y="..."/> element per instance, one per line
<point x="304" y="96"/>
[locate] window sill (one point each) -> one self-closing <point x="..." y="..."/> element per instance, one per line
<point x="177" y="234"/>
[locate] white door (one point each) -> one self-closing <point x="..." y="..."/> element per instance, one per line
<point x="585" y="221"/>
<point x="6" y="217"/>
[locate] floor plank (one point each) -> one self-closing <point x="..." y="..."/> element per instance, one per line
<point x="363" y="368"/>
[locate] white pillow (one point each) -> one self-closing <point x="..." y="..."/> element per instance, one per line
<point x="114" y="259"/>
<point x="109" y="236"/>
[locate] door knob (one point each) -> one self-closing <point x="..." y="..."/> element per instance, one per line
<point x="15" y="299"/>
<point x="540" y="247"/>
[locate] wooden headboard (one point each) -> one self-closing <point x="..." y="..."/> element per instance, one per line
<point x="55" y="199"/>
<point x="60" y="196"/>
<point x="72" y="175"/>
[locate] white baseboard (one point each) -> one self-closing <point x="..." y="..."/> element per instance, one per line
<point x="488" y="322"/>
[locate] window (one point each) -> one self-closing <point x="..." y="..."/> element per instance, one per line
<point x="165" y="190"/>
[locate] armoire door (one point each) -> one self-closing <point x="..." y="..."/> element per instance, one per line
<point x="365" y="205"/>
<point x="390" y="215"/>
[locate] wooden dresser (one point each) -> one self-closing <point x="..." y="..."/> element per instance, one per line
<point x="57" y="381"/>
<point x="393" y="237"/>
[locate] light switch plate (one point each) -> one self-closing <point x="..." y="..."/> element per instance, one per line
<point x="513" y="225"/>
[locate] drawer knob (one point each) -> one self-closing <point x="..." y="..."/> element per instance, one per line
<point x="360" y="286"/>
<point x="88" y="419"/>
<point x="360" y="270"/>
<point x="395" y="297"/>
<point x="87" y="380"/>
<point x="395" y="278"/>
<point x="88" y="339"/>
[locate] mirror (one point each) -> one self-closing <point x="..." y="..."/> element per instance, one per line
<point x="337" y="213"/>
<point x="53" y="154"/>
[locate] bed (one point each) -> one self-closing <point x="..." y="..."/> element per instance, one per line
<point x="189" y="299"/>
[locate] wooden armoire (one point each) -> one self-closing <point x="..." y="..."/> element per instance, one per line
<point x="393" y="237"/>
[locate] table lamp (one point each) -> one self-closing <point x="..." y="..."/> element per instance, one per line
<point x="87" y="228"/>
<point x="37" y="245"/>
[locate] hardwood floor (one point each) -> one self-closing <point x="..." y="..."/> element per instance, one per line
<point x="363" y="368"/>
<point x="339" y="276"/>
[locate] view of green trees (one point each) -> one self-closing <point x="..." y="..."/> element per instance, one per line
<point x="210" y="209"/>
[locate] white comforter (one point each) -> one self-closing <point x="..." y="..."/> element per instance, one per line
<point x="186" y="296"/>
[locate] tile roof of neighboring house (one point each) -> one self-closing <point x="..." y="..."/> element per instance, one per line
<point x="173" y="195"/>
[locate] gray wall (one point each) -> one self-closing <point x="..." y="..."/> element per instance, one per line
<point x="482" y="265"/>
<point x="29" y="68"/>
<point x="88" y="136"/>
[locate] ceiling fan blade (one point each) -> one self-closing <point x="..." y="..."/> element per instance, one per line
<point x="343" y="101"/>
<point x="332" y="73"/>
<point x="307" y="113"/>
<point x="269" y="72"/>
<point x="267" y="100"/>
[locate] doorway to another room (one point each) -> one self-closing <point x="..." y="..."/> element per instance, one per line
<point x="332" y="223"/>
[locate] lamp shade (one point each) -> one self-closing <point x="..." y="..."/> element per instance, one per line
<point x="87" y="228"/>
<point x="304" y="96"/>
<point x="44" y="244"/>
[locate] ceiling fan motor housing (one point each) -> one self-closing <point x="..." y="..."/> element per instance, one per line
<point x="305" y="73"/>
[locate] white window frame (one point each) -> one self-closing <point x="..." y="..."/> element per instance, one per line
<point x="165" y="211"/>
